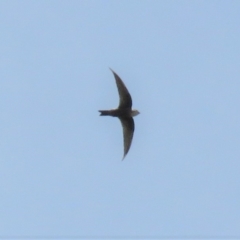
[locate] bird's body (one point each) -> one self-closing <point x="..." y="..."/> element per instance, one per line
<point x="124" y="112"/>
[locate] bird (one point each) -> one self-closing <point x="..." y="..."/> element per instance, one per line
<point x="124" y="112"/>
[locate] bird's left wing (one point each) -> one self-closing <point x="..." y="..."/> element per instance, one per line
<point x="124" y="95"/>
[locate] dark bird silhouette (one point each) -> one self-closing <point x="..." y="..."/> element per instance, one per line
<point x="124" y="112"/>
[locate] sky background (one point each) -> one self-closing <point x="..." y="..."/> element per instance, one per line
<point x="61" y="172"/>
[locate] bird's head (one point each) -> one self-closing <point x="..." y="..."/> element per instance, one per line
<point x="134" y="112"/>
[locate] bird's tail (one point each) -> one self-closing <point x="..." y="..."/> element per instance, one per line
<point x="104" y="112"/>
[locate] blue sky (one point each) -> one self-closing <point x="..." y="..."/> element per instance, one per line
<point x="61" y="172"/>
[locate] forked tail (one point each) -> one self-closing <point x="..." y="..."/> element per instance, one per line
<point x="104" y="112"/>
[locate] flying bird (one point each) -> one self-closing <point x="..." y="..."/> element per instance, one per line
<point x="124" y="112"/>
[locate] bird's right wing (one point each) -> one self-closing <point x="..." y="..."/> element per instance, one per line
<point x="124" y="95"/>
<point x="128" y="130"/>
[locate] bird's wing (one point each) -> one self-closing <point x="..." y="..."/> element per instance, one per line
<point x="128" y="130"/>
<point x="124" y="95"/>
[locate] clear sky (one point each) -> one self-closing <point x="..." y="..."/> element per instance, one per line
<point x="61" y="172"/>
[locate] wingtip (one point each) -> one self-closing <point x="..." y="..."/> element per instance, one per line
<point x="125" y="154"/>
<point x="111" y="70"/>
